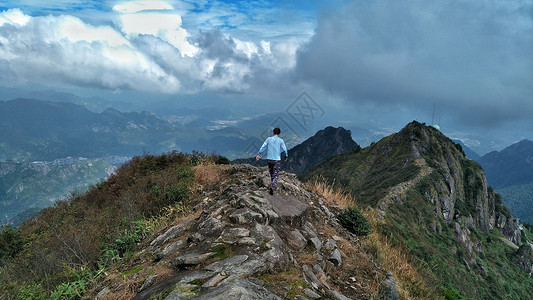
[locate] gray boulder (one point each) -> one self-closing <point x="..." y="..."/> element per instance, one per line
<point x="387" y="289"/>
<point x="235" y="287"/>
<point x="524" y="258"/>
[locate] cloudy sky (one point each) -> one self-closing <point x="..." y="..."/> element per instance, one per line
<point x="473" y="60"/>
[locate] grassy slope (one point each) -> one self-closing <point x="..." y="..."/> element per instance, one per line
<point x="413" y="225"/>
<point x="366" y="173"/>
<point x="67" y="247"/>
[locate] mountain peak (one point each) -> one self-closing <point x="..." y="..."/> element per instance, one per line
<point x="432" y="200"/>
<point x="244" y="232"/>
<point x="523" y="144"/>
<point x="325" y="143"/>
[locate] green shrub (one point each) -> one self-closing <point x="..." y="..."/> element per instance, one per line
<point x="95" y="229"/>
<point x="222" y="160"/>
<point x="11" y="242"/>
<point x="32" y="292"/>
<point x="452" y="294"/>
<point x="129" y="240"/>
<point x="354" y="221"/>
<point x="76" y="288"/>
<point x="176" y="194"/>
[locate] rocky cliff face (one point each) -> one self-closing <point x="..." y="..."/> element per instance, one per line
<point x="524" y="258"/>
<point x="421" y="158"/>
<point x="326" y="143"/>
<point x="436" y="203"/>
<point x="457" y="186"/>
<point x="246" y="244"/>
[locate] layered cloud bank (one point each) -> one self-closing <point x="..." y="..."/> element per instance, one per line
<point x="472" y="58"/>
<point x="145" y="48"/>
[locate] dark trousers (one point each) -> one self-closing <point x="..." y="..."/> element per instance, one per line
<point x="273" y="167"/>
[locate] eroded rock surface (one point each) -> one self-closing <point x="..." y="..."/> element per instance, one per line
<point x="245" y="243"/>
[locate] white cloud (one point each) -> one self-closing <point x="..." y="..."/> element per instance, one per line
<point x="145" y="48"/>
<point x="162" y="25"/>
<point x="14" y="16"/>
<point x="66" y="50"/>
<point x="137" y="6"/>
<point x="75" y="30"/>
<point x="153" y="18"/>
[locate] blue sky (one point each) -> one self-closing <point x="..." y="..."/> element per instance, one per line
<point x="199" y="14"/>
<point x="152" y="45"/>
<point x="381" y="60"/>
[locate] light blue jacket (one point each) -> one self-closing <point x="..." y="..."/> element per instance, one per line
<point x="274" y="146"/>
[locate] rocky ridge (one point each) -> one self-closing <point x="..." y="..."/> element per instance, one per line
<point x="247" y="244"/>
<point x="458" y="189"/>
<point x="438" y="204"/>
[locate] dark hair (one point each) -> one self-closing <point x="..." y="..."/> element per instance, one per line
<point x="277" y="130"/>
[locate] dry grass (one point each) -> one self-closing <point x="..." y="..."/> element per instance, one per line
<point x="289" y="276"/>
<point x="326" y="230"/>
<point x="208" y="174"/>
<point x="411" y="283"/>
<point x="127" y="292"/>
<point x="162" y="270"/>
<point x="304" y="258"/>
<point x="331" y="195"/>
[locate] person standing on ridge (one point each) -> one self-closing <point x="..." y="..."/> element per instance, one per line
<point x="275" y="146"/>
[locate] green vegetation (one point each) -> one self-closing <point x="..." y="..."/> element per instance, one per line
<point x="519" y="199"/>
<point x="223" y="251"/>
<point x="489" y="274"/>
<point x="354" y="221"/>
<point x="451" y="294"/>
<point x="11" y="242"/>
<point x="63" y="251"/>
<point x="366" y="173"/>
<point x="290" y="280"/>
<point x="78" y="285"/>
<point x="458" y="269"/>
<point x="131" y="271"/>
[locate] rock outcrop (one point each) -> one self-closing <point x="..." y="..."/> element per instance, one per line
<point x="524" y="258"/>
<point x="248" y="244"/>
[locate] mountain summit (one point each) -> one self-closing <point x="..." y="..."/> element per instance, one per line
<point x="178" y="226"/>
<point x="436" y="203"/>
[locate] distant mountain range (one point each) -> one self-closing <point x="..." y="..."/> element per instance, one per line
<point x="511" y="166"/>
<point x="44" y="130"/>
<point x="93" y="104"/>
<point x="305" y="156"/>
<point x="26" y="187"/>
<point x="40" y="130"/>
<point x="510" y="171"/>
